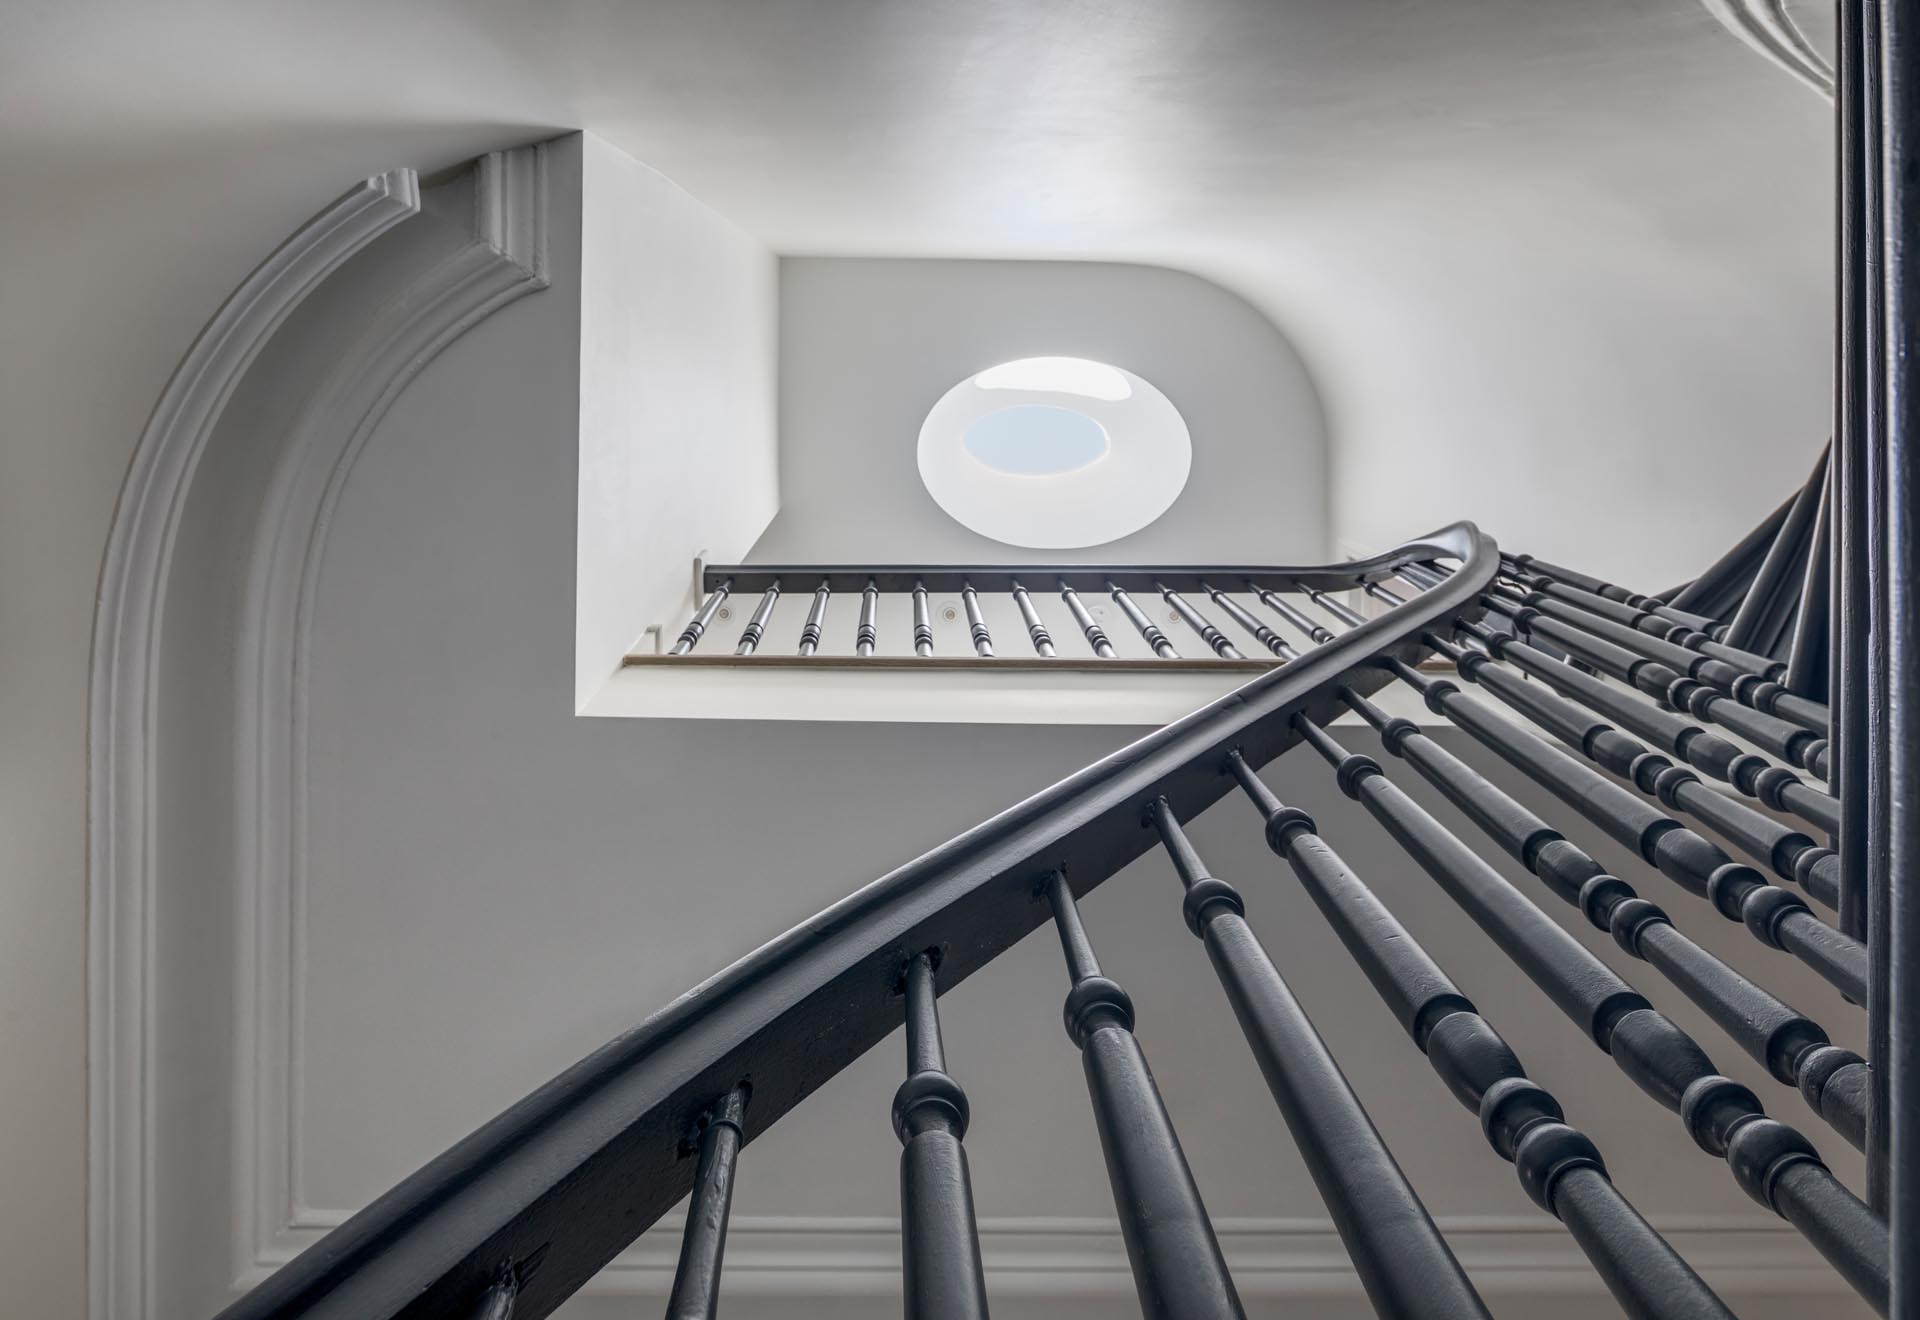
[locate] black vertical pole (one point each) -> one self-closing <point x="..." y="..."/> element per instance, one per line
<point x="1847" y="607"/>
<point x="696" y="1282"/>
<point x="1899" y="651"/>
<point x="943" y="1279"/>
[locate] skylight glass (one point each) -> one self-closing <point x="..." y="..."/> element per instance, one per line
<point x="1036" y="440"/>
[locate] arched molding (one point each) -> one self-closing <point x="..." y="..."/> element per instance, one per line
<point x="127" y="619"/>
<point x="354" y="387"/>
<point x="1768" y="27"/>
<point x="504" y="259"/>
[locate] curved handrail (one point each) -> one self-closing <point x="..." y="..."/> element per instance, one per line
<point x="557" y="1185"/>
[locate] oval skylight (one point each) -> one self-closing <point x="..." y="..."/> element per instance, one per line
<point x="1036" y="440"/>
<point x="1054" y="452"/>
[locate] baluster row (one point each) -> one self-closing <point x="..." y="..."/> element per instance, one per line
<point x="753" y="639"/>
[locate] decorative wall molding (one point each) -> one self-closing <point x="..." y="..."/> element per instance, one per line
<point x="1768" y="27"/>
<point x="808" y="1256"/>
<point x="504" y="259"/>
<point x="127" y="622"/>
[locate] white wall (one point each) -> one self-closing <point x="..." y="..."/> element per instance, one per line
<point x="677" y="353"/>
<point x="867" y="347"/>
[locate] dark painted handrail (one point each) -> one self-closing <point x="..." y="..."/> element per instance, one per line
<point x="550" y="1191"/>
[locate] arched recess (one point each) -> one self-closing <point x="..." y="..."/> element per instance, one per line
<point x="261" y="421"/>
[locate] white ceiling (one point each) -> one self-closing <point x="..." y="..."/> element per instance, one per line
<point x="1526" y="247"/>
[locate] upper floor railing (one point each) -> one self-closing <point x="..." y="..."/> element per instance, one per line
<point x="1648" y="730"/>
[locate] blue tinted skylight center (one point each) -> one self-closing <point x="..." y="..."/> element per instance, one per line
<point x="1036" y="440"/>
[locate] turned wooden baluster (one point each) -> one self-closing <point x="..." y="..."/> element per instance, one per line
<point x="867" y="636"/>
<point x="1266" y="636"/>
<point x="1404" y="1264"/>
<point x="1096" y="637"/>
<point x="942" y="1276"/>
<point x="1138" y="618"/>
<point x="1212" y="636"/>
<point x="1558" y="1166"/>
<point x="816" y="621"/>
<point x="976" y="623"/>
<point x="1036" y="631"/>
<point x="1772" y="1162"/>
<point x="922" y="622"/>
<point x="1177" y="1267"/>
<point x="697" y="626"/>
<point x="757" y="626"/>
<point x="696" y="1282"/>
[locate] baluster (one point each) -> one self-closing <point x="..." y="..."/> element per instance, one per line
<point x="1777" y="567"/>
<point x="1177" y="1267"/>
<point x="922" y="622"/>
<point x="816" y="621"/>
<point x="942" y="1275"/>
<point x="696" y="1282"/>
<point x="1594" y="586"/>
<point x="1791" y="1046"/>
<point x="1776" y="917"/>
<point x="868" y="634"/>
<point x="1772" y="1162"/>
<point x="1222" y="645"/>
<point x="697" y="626"/>
<point x="1266" y="636"/>
<point x="1155" y="638"/>
<point x="1790" y="742"/>
<point x="1404" y="1264"/>
<point x="1042" y="640"/>
<point x="982" y="639"/>
<point x="1791" y="854"/>
<point x="1557" y="1165"/>
<point x="1291" y="613"/>
<point x="1754" y="776"/>
<point x="757" y="626"/>
<point x="1807" y="650"/>
<point x="1748" y="689"/>
<point x="1096" y="638"/>
<point x="1894" y="869"/>
<point x="1655" y="625"/>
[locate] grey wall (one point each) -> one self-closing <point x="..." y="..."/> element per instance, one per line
<point x="867" y="347"/>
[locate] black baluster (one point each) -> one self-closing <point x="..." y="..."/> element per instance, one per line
<point x="1790" y="742"/>
<point x="1222" y="645"/>
<point x="1266" y="636"/>
<point x="1772" y="1162"/>
<point x="1791" y="854"/>
<point x="1036" y="630"/>
<point x="1137" y="617"/>
<point x="1776" y="572"/>
<point x="1651" y="604"/>
<point x="757" y="626"/>
<point x="1895" y="868"/>
<point x="922" y="622"/>
<point x="816" y="621"/>
<point x="976" y="623"/>
<point x="867" y="636"/>
<point x="1558" y="1166"/>
<point x="943" y="1278"/>
<point x="697" y="626"/>
<point x="1177" y="1267"/>
<point x="1096" y="638"/>
<point x="1292" y="614"/>
<point x="1777" y="917"/>
<point x="1655" y="625"/>
<point x="1791" y="1046"/>
<point x="1732" y="570"/>
<point x="1404" y="1264"/>
<point x="1807" y="651"/>
<point x="696" y="1282"/>
<point x="1748" y="689"/>
<point x="1753" y="775"/>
